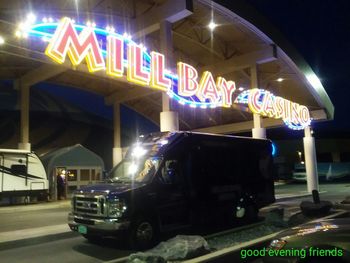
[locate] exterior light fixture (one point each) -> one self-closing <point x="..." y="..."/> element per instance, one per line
<point x="212" y="25"/>
<point x="240" y="88"/>
<point x="31" y="18"/>
<point x="2" y="40"/>
<point x="280" y="79"/>
<point x="18" y="34"/>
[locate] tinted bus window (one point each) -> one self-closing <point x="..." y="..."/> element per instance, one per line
<point x="345" y="157"/>
<point x="324" y="158"/>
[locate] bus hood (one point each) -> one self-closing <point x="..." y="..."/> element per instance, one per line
<point x="109" y="188"/>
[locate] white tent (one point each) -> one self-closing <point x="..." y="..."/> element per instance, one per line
<point x="77" y="164"/>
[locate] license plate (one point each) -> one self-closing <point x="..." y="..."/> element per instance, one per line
<point x="82" y="229"/>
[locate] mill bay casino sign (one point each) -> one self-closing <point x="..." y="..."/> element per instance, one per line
<point x="117" y="55"/>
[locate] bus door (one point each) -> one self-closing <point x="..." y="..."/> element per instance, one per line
<point x="172" y="203"/>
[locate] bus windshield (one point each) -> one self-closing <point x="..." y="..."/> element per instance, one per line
<point x="135" y="170"/>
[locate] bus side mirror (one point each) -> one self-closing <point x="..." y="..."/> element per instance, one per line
<point x="171" y="172"/>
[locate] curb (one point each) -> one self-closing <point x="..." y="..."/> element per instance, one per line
<point x="226" y="251"/>
<point x="287" y="197"/>
<point x="291" y="196"/>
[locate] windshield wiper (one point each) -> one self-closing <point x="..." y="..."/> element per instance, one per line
<point x="114" y="180"/>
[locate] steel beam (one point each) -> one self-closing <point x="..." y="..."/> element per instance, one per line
<point x="243" y="61"/>
<point x="135" y="93"/>
<point x="171" y="11"/>
<point x="41" y="73"/>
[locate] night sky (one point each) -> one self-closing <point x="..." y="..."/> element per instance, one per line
<point x="320" y="31"/>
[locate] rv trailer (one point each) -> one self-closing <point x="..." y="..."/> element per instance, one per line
<point x="22" y="174"/>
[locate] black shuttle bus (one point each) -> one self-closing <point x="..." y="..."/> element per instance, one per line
<point x="175" y="180"/>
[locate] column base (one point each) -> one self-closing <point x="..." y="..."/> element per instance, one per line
<point x="117" y="155"/>
<point x="259" y="133"/>
<point x="169" y="121"/>
<point x="24" y="146"/>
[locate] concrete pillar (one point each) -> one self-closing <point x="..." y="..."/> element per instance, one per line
<point x="117" y="150"/>
<point x="310" y="160"/>
<point x="258" y="131"/>
<point x="169" y="120"/>
<point x="24" y="107"/>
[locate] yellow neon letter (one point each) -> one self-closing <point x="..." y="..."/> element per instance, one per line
<point x="158" y="79"/>
<point x="115" y="56"/>
<point x="207" y="88"/>
<point x="67" y="41"/>
<point x="187" y="79"/>
<point x="227" y="88"/>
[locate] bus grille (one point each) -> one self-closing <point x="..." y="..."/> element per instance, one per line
<point x="90" y="205"/>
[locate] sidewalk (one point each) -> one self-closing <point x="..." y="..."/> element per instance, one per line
<point x="285" y="191"/>
<point x="33" y="232"/>
<point x="34" y="206"/>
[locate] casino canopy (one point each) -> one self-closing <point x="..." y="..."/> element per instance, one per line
<point x="206" y="37"/>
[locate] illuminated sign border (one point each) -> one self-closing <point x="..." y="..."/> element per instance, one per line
<point x="118" y="55"/>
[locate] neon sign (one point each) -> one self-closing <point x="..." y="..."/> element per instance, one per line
<point x="264" y="103"/>
<point x="119" y="56"/>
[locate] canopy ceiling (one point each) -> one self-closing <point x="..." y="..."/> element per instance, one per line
<point x="230" y="50"/>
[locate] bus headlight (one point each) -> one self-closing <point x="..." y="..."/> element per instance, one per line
<point x="116" y="207"/>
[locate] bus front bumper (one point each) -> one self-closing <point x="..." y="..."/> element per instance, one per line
<point x="86" y="225"/>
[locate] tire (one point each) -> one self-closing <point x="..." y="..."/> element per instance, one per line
<point x="143" y="234"/>
<point x="246" y="209"/>
<point x="248" y="212"/>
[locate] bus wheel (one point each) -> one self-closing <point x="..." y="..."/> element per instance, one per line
<point x="143" y="234"/>
<point x="240" y="212"/>
<point x="247" y="212"/>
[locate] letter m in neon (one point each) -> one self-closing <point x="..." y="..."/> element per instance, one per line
<point x="67" y="41"/>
